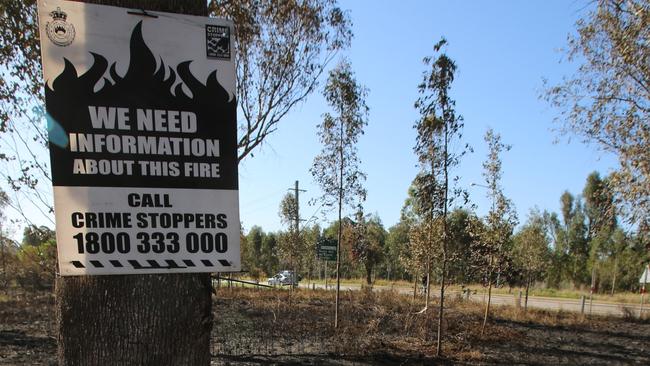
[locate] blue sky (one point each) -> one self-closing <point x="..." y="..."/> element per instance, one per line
<point x="503" y="50"/>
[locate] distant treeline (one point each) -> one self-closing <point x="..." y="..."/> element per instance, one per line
<point x="583" y="245"/>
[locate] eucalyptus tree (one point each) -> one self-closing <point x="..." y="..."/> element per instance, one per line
<point x="599" y="206"/>
<point x="554" y="232"/>
<point x="311" y="234"/>
<point x="438" y="127"/>
<point x="253" y="251"/>
<point x="336" y="168"/>
<point x="492" y="251"/>
<point x="618" y="247"/>
<point x="368" y="248"/>
<point x="396" y="245"/>
<point x="460" y="244"/>
<point x="531" y="251"/>
<point x="600" y="216"/>
<point x="574" y="238"/>
<point x="607" y="100"/>
<point x="269" y="253"/>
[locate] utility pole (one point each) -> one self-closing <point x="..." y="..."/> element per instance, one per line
<point x="296" y="192"/>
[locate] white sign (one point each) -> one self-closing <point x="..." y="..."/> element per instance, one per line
<point x="143" y="139"/>
<point x="645" y="276"/>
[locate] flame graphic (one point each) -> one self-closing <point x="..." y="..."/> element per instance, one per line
<point x="142" y="86"/>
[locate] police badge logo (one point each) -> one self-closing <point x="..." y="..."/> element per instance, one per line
<point x="58" y="30"/>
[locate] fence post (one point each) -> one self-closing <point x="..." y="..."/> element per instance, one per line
<point x="582" y="306"/>
<point x="641" y="307"/>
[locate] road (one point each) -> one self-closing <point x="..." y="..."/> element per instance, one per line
<point x="547" y="303"/>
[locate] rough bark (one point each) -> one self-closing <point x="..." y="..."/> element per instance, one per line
<point x="136" y="319"/>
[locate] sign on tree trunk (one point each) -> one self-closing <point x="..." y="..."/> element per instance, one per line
<point x="142" y="126"/>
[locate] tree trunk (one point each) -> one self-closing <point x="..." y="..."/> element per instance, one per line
<point x="293" y="279"/>
<point x="415" y="286"/>
<point x="309" y="273"/>
<point x="487" y="305"/>
<point x="441" y="308"/>
<point x="369" y="275"/>
<point x="489" y="299"/>
<point x="388" y="272"/>
<point x="527" y="288"/>
<point x="427" y="285"/>
<point x="340" y="233"/>
<point x="136" y="319"/>
<point x="445" y="234"/>
<point x="614" y="276"/>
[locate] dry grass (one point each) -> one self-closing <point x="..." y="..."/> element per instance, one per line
<point x="375" y="325"/>
<point x="372" y="324"/>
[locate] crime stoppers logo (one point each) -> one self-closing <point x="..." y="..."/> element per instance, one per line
<point x="58" y="30"/>
<point x="217" y="39"/>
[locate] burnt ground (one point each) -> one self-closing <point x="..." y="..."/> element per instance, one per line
<point x="595" y="342"/>
<point x="27" y="330"/>
<point x="277" y="328"/>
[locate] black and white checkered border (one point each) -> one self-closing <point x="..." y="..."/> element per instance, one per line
<point x="151" y="263"/>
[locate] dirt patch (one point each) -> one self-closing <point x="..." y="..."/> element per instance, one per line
<point x="274" y="327"/>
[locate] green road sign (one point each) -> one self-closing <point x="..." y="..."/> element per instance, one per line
<point x="326" y="249"/>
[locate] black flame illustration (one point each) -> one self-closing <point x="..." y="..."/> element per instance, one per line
<point x="145" y="86"/>
<point x="142" y="77"/>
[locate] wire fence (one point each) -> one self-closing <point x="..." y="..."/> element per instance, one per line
<point x="247" y="331"/>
